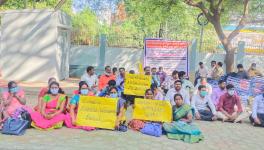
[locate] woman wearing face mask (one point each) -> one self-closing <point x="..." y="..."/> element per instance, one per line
<point x="53" y="106"/>
<point x="42" y="93"/>
<point x="121" y="106"/>
<point x="70" y="120"/>
<point x="13" y="99"/>
<point x="203" y="106"/>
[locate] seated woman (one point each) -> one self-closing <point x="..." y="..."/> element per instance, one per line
<point x="53" y="105"/>
<point x="43" y="91"/>
<point x="181" y="111"/>
<point x="70" y="120"/>
<point x="157" y="93"/>
<point x="203" y="106"/>
<point x="121" y="106"/>
<point x="110" y="84"/>
<point x="12" y="99"/>
<point x="180" y="128"/>
<point x="137" y="124"/>
<point x="257" y="116"/>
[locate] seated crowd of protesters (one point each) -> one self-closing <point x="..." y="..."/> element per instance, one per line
<point x="189" y="101"/>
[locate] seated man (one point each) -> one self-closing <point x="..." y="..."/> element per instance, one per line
<point x="257" y="116"/>
<point x="253" y="71"/>
<point x="241" y="73"/>
<point x="169" y="81"/>
<point x="155" y="77"/>
<point x="105" y="78"/>
<point x="177" y="90"/>
<point x="218" y="92"/>
<point x="218" y="72"/>
<point x="203" y="81"/>
<point x="186" y="84"/>
<point x="226" y="107"/>
<point x="91" y="79"/>
<point x="203" y="107"/>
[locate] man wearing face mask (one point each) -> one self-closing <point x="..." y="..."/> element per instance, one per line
<point x="105" y="78"/>
<point x="203" y="81"/>
<point x="253" y="72"/>
<point x="203" y="106"/>
<point x="218" y="92"/>
<point x="177" y="90"/>
<point x="226" y="107"/>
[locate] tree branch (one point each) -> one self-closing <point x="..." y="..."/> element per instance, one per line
<point x="242" y="21"/>
<point x="202" y="7"/>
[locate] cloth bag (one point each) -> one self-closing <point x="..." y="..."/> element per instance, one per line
<point x="152" y="129"/>
<point x="136" y="125"/>
<point x="14" y="126"/>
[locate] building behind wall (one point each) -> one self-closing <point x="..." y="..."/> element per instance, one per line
<point x="34" y="45"/>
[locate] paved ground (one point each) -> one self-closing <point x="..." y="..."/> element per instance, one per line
<point x="218" y="136"/>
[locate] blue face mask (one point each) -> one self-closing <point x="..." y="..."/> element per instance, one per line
<point x="203" y="93"/>
<point x="54" y="91"/>
<point x="14" y="90"/>
<point x="84" y="91"/>
<point x="113" y="95"/>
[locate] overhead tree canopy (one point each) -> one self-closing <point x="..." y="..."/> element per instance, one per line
<point x="218" y="12"/>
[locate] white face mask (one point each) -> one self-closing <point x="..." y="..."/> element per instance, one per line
<point x="231" y="92"/>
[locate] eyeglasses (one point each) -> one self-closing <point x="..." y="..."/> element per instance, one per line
<point x="112" y="92"/>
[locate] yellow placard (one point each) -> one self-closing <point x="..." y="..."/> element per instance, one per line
<point x="136" y="84"/>
<point x="97" y="112"/>
<point x="152" y="110"/>
<point x="140" y="68"/>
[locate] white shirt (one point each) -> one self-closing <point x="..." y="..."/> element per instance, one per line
<point x="258" y="106"/>
<point x="90" y="80"/>
<point x="203" y="72"/>
<point x="169" y="83"/>
<point x="199" y="103"/>
<point x="170" y="96"/>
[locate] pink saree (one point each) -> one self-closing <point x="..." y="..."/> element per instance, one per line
<point x="51" y="107"/>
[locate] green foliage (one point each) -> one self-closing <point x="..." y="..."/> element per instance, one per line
<point x="146" y="18"/>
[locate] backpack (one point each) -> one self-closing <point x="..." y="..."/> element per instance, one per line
<point x="22" y="114"/>
<point x="152" y="129"/>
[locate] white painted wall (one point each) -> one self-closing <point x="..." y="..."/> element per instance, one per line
<point x="115" y="57"/>
<point x="29" y="47"/>
<point x="128" y="58"/>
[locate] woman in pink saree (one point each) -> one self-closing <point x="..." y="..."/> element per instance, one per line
<point x="70" y="120"/>
<point x="53" y="105"/>
<point x="13" y="99"/>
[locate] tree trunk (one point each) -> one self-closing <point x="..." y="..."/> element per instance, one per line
<point x="229" y="61"/>
<point x="230" y="52"/>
